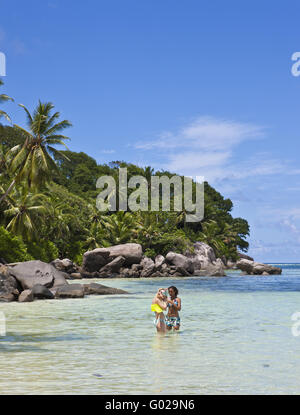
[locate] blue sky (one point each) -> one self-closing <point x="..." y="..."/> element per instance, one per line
<point x="195" y="87"/>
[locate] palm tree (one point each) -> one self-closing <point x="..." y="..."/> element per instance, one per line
<point x="58" y="217"/>
<point x="118" y="228"/>
<point x="24" y="213"/>
<point x="94" y="237"/>
<point x="3" y="161"/>
<point x="147" y="229"/>
<point x="4" y="98"/>
<point x="211" y="235"/>
<point x="32" y="162"/>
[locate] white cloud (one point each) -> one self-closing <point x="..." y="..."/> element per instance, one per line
<point x="205" y="133"/>
<point x="205" y="147"/>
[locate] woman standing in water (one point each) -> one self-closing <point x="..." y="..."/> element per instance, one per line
<point x="159" y="304"/>
<point x="174" y="305"/>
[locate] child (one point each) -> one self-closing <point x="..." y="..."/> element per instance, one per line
<point x="159" y="303"/>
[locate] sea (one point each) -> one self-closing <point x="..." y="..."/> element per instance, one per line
<point x="239" y="335"/>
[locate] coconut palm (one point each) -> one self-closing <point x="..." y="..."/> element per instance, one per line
<point x="4" y="98"/>
<point x="211" y="235"/>
<point x="32" y="162"/>
<point x="24" y="213"/>
<point x="118" y="228"/>
<point x="58" y="215"/>
<point x="147" y="229"/>
<point x="93" y="238"/>
<point x="4" y="162"/>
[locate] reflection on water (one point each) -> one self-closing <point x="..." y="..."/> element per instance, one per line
<point x="235" y="338"/>
<point x="164" y="347"/>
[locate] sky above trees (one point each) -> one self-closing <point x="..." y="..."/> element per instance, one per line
<point x="198" y="88"/>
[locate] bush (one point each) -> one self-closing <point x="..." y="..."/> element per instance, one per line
<point x="150" y="253"/>
<point x="45" y="251"/>
<point x="12" y="248"/>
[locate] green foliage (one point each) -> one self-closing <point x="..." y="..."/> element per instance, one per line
<point x="48" y="201"/>
<point x="43" y="250"/>
<point x="32" y="162"/>
<point x="12" y="248"/>
<point x="150" y="253"/>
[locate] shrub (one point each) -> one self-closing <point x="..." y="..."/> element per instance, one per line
<point x="12" y="248"/>
<point x="45" y="251"/>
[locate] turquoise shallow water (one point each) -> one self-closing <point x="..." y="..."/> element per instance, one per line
<point x="235" y="338"/>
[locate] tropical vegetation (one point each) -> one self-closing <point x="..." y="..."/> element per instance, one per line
<point x="48" y="200"/>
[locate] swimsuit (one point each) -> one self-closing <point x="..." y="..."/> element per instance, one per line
<point x="157" y="309"/>
<point x="172" y="321"/>
<point x="162" y="320"/>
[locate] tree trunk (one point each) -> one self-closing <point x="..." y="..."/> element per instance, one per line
<point x="3" y="197"/>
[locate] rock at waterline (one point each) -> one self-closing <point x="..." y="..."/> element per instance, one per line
<point x="30" y="273"/>
<point x="70" y="291"/>
<point x="41" y="292"/>
<point x="256" y="268"/>
<point x="180" y="261"/>
<point x="26" y="296"/>
<point x="9" y="288"/>
<point x="95" y="259"/>
<point x="94" y="288"/>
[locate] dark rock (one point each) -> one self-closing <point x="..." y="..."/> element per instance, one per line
<point x="70" y="291"/>
<point x="64" y="265"/>
<point x="7" y="297"/>
<point x="136" y="267"/>
<point x="100" y="289"/>
<point x="244" y="256"/>
<point x="180" y="261"/>
<point x="148" y="267"/>
<point x="95" y="259"/>
<point x="181" y="272"/>
<point x="259" y="269"/>
<point x="9" y="288"/>
<point x="157" y="274"/>
<point x="113" y="266"/>
<point x="85" y="274"/>
<point x="36" y="272"/>
<point x="41" y="292"/>
<point x="256" y="268"/>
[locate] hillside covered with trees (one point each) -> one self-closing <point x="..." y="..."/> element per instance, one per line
<point x="48" y="200"/>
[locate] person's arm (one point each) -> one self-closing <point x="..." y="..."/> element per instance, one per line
<point x="161" y="303"/>
<point x="178" y="307"/>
